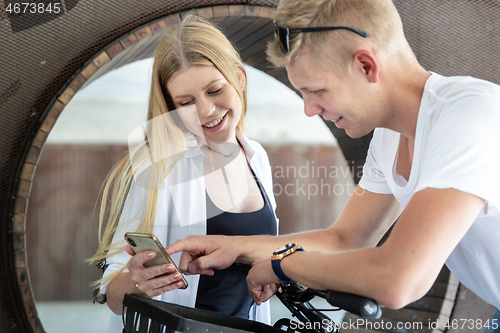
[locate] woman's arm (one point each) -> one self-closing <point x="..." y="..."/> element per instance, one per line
<point x="140" y="280"/>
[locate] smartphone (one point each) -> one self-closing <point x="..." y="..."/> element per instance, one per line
<point x="140" y="242"/>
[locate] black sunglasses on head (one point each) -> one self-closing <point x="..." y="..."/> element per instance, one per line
<point x="282" y="34"/>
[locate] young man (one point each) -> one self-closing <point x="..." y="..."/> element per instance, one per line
<point x="432" y="161"/>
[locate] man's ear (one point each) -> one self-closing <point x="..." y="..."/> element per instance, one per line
<point x="242" y="76"/>
<point x="366" y="61"/>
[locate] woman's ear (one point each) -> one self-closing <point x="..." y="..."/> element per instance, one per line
<point x="368" y="64"/>
<point x="242" y="76"/>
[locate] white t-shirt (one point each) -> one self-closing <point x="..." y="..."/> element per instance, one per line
<point x="457" y="145"/>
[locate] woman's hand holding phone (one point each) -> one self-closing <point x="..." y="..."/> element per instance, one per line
<point x="151" y="269"/>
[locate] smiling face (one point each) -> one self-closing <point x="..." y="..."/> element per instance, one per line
<point x="341" y="98"/>
<point x="217" y="103"/>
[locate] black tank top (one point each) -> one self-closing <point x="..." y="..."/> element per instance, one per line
<point x="226" y="291"/>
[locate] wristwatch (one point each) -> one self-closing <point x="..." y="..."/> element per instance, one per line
<point x="278" y="255"/>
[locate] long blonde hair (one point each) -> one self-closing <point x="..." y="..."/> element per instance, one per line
<point x="194" y="41"/>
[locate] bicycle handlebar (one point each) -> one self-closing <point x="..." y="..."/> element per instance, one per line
<point x="358" y="305"/>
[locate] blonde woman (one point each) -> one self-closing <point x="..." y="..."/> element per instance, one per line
<point x="191" y="176"/>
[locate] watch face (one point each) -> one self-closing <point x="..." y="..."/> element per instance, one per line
<point x="284" y="248"/>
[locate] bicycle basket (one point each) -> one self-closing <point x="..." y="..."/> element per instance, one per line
<point x="143" y="315"/>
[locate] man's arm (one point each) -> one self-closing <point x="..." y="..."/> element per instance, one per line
<point x="396" y="273"/>
<point x="363" y="221"/>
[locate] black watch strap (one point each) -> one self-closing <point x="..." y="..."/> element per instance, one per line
<point x="276" y="261"/>
<point x="279" y="272"/>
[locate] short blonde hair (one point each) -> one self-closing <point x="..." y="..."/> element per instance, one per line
<point x="379" y="18"/>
